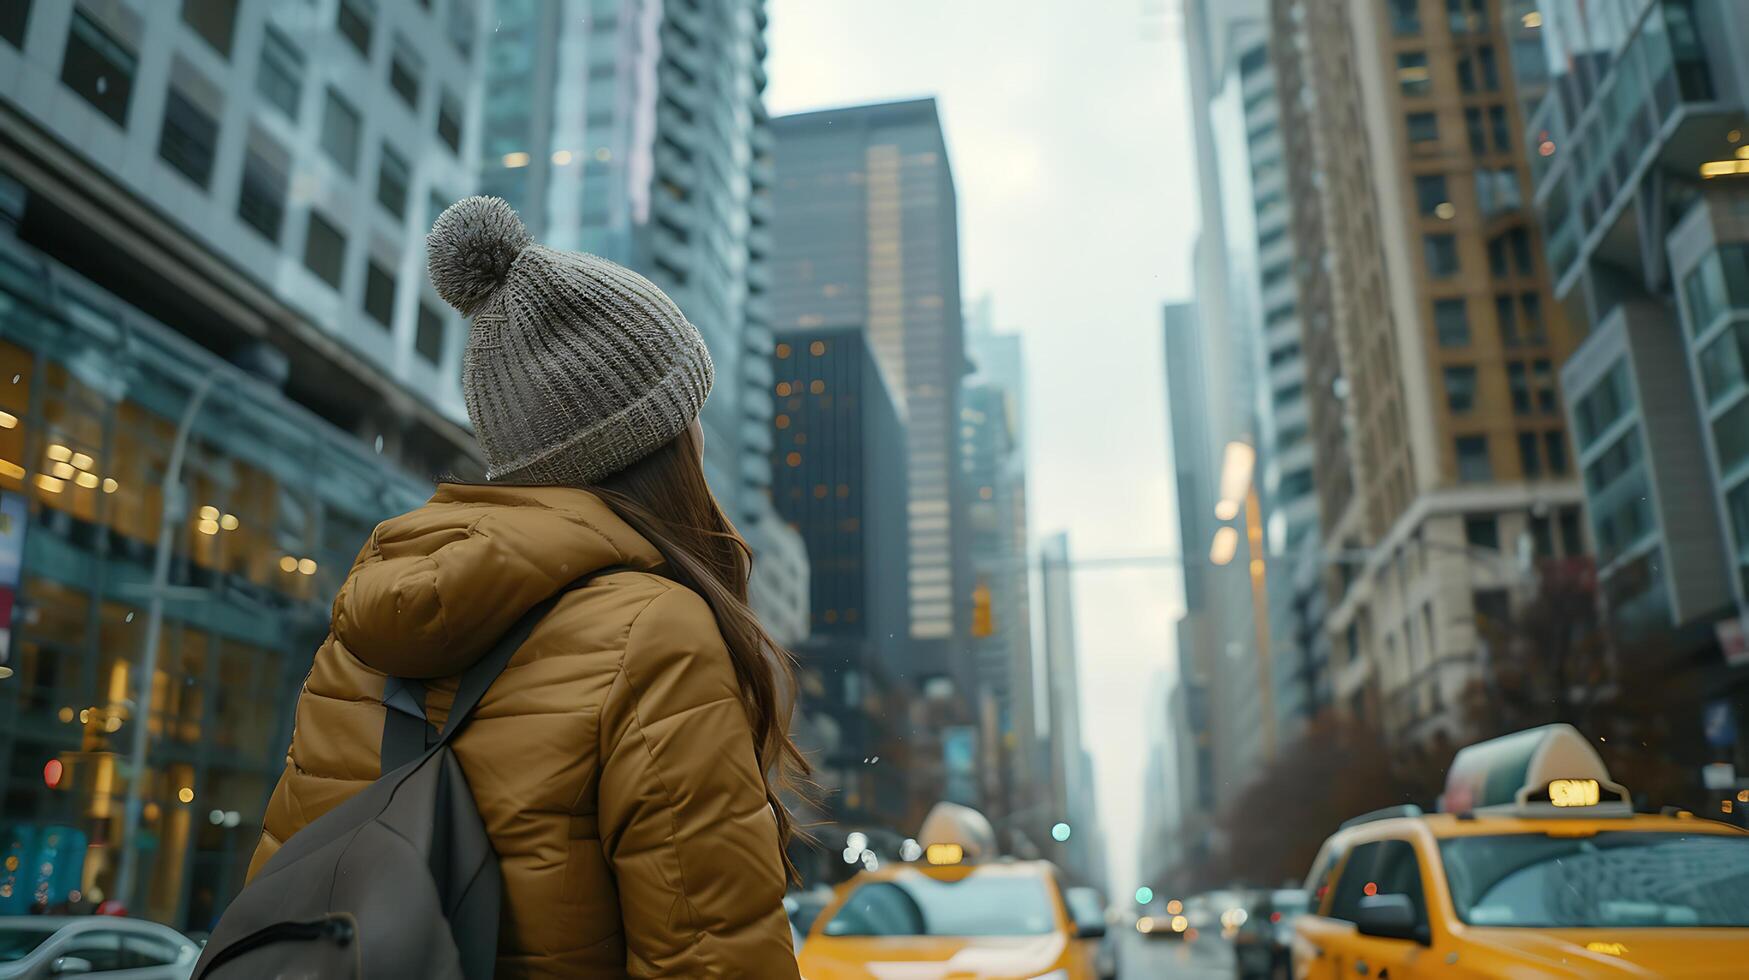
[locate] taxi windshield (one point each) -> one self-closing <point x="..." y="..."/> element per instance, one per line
<point x="1610" y="879"/>
<point x="920" y="906"/>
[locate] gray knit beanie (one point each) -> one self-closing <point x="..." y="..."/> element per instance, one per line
<point x="576" y="367"/>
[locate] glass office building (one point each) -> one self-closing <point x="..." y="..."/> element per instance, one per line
<point x="277" y="504"/>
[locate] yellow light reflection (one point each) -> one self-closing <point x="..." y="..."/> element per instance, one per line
<point x="59" y="453"/>
<point x="516" y="160"/>
<point x="944" y="854"/>
<point x="1573" y="792"/>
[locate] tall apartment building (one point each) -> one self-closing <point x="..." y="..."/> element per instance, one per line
<point x="1634" y="134"/>
<point x="636" y="130"/>
<point x="212" y="219"/>
<point x="866" y="235"/>
<point x="993" y="463"/>
<point x="1449" y="338"/>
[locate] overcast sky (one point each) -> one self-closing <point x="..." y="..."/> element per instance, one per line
<point x="1072" y="156"/>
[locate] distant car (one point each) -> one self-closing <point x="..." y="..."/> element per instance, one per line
<point x="1087" y="908"/>
<point x="1165" y="919"/>
<point x="1263" y="947"/>
<point x="43" y="946"/>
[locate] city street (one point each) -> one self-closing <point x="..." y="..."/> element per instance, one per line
<point x="1145" y="959"/>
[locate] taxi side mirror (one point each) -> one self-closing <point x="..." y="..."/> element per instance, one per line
<point x="1389" y="917"/>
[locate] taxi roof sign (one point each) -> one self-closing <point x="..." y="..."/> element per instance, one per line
<point x="961" y="827"/>
<point x="1550" y="771"/>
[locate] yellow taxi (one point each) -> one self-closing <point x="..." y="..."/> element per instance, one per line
<point x="958" y="913"/>
<point x="1535" y="866"/>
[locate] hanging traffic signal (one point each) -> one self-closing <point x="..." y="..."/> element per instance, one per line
<point x="983" y="623"/>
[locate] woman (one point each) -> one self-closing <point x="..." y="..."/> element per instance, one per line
<point x="626" y="762"/>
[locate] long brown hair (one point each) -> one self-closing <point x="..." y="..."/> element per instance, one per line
<point x="665" y="498"/>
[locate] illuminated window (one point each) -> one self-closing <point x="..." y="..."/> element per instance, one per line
<point x="781" y="421"/>
<point x="1412" y="75"/>
<point x="817" y="387"/>
<point x="817" y="348"/>
<point x="793" y="459"/>
<point x="782" y="350"/>
<point x="782" y="389"/>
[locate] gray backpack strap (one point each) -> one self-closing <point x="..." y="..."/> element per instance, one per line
<point x="407" y="735"/>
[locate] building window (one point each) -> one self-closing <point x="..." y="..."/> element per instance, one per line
<point x="1518" y="383"/>
<point x="1472" y="459"/>
<point x="1493" y="608"/>
<point x="14" y="16"/>
<point x="1514" y="244"/>
<point x="1405" y="17"/>
<point x="1722" y="363"/>
<point x="1599" y="408"/>
<point x="280" y="79"/>
<point x="1451" y="322"/>
<point x="340" y="129"/>
<point x="188" y="138"/>
<point x="1423" y="129"/>
<point x="392" y="179"/>
<point x="261" y="198"/>
<point x="379" y="294"/>
<point x="1482" y="531"/>
<point x="1555" y="449"/>
<point x="1529" y="459"/>
<point x="1460" y="387"/>
<point x="1532" y="304"/>
<point x="1497" y="191"/>
<point x="1718" y="283"/>
<point x="428" y="340"/>
<point x="1412" y="75"/>
<point x="404" y="75"/>
<point x="98" y="67"/>
<point x="1441" y="253"/>
<point x="1542" y="378"/>
<point x="1430" y="194"/>
<point x="449" y="122"/>
<point x="1478" y="135"/>
<point x="355" y="20"/>
<point x="213" y="20"/>
<point x="324" y="250"/>
<point x="1498" y="125"/>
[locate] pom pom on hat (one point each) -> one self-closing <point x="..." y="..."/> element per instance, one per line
<point x="471" y="248"/>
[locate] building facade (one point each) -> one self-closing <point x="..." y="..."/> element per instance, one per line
<point x="866" y="235"/>
<point x="838" y="459"/>
<point x="1073" y="799"/>
<point x="993" y="464"/>
<point x="1449" y="338"/>
<point x="195" y="197"/>
<point x="1634" y="136"/>
<point x="636" y="130"/>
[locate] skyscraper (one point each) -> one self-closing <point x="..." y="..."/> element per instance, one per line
<point x="866" y="235"/>
<point x="1071" y="768"/>
<point x="993" y="464"/>
<point x="1448" y="337"/>
<point x="205" y="228"/>
<point x="1213" y="396"/>
<point x="637" y="131"/>
<point x="838" y="460"/>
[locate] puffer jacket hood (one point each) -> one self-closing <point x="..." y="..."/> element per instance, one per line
<point x="612" y="761"/>
<point x="436" y="587"/>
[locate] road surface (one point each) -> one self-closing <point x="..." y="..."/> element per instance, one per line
<point x="1140" y="958"/>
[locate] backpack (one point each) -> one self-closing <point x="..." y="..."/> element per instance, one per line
<point x="398" y="881"/>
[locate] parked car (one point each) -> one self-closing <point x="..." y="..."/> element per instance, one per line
<point x="36" y="947"/>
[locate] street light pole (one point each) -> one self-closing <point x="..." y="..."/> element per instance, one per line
<point x="170" y="493"/>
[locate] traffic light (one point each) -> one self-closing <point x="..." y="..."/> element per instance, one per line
<point x="983" y="623"/>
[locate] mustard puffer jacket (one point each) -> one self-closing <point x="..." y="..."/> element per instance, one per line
<point x="612" y="761"/>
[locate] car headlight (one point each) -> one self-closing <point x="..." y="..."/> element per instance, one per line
<point x="1053" y="975"/>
